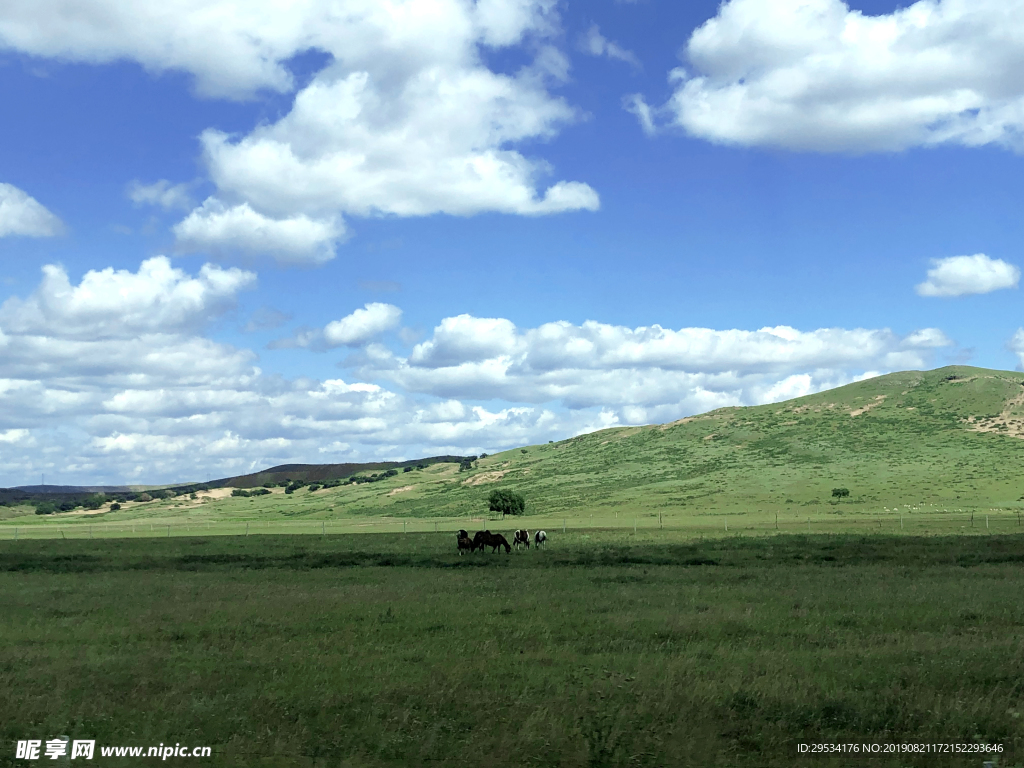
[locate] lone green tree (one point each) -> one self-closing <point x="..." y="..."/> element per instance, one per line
<point x="506" y="501"/>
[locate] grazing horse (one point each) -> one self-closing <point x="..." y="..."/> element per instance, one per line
<point x="493" y="540"/>
<point x="480" y="540"/>
<point x="522" y="536"/>
<point x="463" y="533"/>
<point x="539" y="538"/>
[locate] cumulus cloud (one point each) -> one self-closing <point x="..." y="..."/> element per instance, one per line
<point x="161" y="193"/>
<point x="354" y="330"/>
<point x="297" y="239"/>
<point x="1016" y="345"/>
<point x="662" y="372"/>
<point x="109" y="304"/>
<point x="362" y="325"/>
<point x="962" y="275"/>
<point x="596" y="44"/>
<point x="406" y="118"/>
<point x="816" y="75"/>
<point x="21" y="214"/>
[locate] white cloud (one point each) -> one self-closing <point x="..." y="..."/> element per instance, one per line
<point x="406" y="118"/>
<point x="596" y="44"/>
<point x="121" y="304"/>
<point x="1016" y="345"/>
<point x="296" y="239"/>
<point x="667" y="372"/>
<point x="962" y="275"/>
<point x="816" y="75"/>
<point x="162" y="193"/>
<point x="354" y="330"/>
<point x="362" y="325"/>
<point x="23" y="215"/>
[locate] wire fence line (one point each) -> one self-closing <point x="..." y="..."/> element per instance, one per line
<point x="991" y="522"/>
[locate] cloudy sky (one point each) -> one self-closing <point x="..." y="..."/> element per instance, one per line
<point x="234" y="235"/>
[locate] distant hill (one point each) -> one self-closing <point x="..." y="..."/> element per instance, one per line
<point x="64" y="489"/>
<point x="320" y="472"/>
<point x="304" y="472"/>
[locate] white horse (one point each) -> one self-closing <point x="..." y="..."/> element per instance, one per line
<point x="539" y="538"/>
<point x="521" y="537"/>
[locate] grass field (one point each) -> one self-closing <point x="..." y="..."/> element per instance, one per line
<point x="608" y="648"/>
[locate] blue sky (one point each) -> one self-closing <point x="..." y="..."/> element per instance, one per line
<point x="360" y="229"/>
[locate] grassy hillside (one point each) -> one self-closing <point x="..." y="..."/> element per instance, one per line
<point x="923" y="441"/>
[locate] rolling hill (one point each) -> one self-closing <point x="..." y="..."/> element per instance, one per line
<point x="952" y="437"/>
<point x="944" y="437"/>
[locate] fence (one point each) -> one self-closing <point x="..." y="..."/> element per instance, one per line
<point x="993" y="521"/>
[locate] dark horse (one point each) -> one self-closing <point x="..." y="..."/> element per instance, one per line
<point x="464" y="542"/>
<point x="492" y="540"/>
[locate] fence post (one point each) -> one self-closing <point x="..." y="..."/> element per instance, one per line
<point x="986" y="522"/>
<point x="15" y="533"/>
<point x="246" y="529"/>
<point x="403" y="527"/>
<point x="901" y="522"/>
<point x="168" y="531"/>
<point x="563" y="525"/>
<point x="726" y="526"/>
<point x="634" y="525"/>
<point x="661" y="524"/>
<point x="323" y="527"/>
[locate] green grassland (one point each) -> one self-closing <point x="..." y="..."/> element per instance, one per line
<point x="703" y="600"/>
<point x="605" y="649"/>
<point x="920" y="443"/>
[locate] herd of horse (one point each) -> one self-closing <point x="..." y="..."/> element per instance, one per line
<point x="495" y="540"/>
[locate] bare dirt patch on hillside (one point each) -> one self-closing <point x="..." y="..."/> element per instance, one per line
<point x="879" y="399"/>
<point x="403" y="489"/>
<point x="486" y="477"/>
<point x="1006" y="423"/>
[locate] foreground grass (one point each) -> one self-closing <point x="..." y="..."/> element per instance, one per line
<point x="606" y="649"/>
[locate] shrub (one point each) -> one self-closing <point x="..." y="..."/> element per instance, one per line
<point x="143" y="497"/>
<point x="407" y="469"/>
<point x="839" y="493"/>
<point x="239" y="492"/>
<point x="45" y="508"/>
<point x="506" y="501"/>
<point x="314" y="487"/>
<point x="114" y="507"/>
<point x="259" y="492"/>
